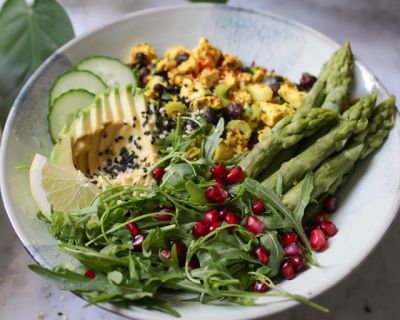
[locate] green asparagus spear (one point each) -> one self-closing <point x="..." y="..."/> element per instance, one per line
<point x="285" y="134"/>
<point x="335" y="171"/>
<point x="354" y="120"/>
<point x="334" y="82"/>
<point x="382" y="121"/>
<point x="340" y="80"/>
<point x="326" y="175"/>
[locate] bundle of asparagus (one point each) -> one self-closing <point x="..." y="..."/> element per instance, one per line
<point x="361" y="129"/>
<point x="330" y="93"/>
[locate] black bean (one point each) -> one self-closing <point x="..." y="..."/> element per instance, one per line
<point x="173" y="89"/>
<point x="213" y="115"/>
<point x="143" y="72"/>
<point x="235" y="111"/>
<point x="162" y="74"/>
<point x="307" y="82"/>
<point x="181" y="57"/>
<point x="140" y="58"/>
<point x="158" y="88"/>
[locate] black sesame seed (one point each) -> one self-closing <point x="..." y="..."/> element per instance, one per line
<point x="100" y="154"/>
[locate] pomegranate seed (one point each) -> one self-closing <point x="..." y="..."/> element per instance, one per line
<point x="309" y="227"/>
<point x="220" y="183"/>
<point x="260" y="286"/>
<point x="215" y="194"/>
<point x="166" y="253"/>
<point x="262" y="254"/>
<point x="287" y="269"/>
<point x="258" y="207"/>
<point x="200" y="229"/>
<point x="232" y="218"/>
<point x="293" y="249"/>
<point x="289" y="238"/>
<point x="219" y="171"/>
<point x="133" y="229"/>
<point x="90" y="274"/>
<point x="328" y="228"/>
<point x="254" y="225"/>
<point x="235" y="175"/>
<point x="194" y="263"/>
<point x="223" y="212"/>
<point x="214" y="225"/>
<point x="180" y="251"/>
<point x="330" y="204"/>
<point x="320" y="217"/>
<point x="318" y="240"/>
<point x="297" y="262"/>
<point x="165" y="217"/>
<point x="137" y="242"/>
<point x="158" y="173"/>
<point x="211" y="216"/>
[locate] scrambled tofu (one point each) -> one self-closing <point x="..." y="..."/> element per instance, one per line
<point x="205" y="80"/>
<point x="271" y="113"/>
<point x="289" y="92"/>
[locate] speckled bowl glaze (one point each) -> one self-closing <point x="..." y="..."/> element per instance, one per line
<point x="368" y="203"/>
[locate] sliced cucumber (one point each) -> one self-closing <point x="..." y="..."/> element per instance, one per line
<point x="65" y="108"/>
<point x="112" y="71"/>
<point x="76" y="79"/>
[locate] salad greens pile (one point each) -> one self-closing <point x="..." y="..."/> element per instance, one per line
<point x="219" y="265"/>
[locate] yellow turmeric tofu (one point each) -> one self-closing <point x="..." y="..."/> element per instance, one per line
<point x="143" y="48"/>
<point x="289" y="92"/>
<point x="271" y="113"/>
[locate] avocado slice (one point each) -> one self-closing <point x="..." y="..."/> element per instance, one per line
<point x="117" y="122"/>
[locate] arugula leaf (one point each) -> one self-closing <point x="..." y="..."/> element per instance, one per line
<point x="175" y="175"/>
<point x="196" y="193"/>
<point x="305" y="197"/>
<point x="276" y="253"/>
<point x="212" y="141"/>
<point x="29" y="34"/>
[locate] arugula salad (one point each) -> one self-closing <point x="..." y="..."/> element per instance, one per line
<point x="192" y="173"/>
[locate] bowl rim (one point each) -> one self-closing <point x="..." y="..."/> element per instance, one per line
<point x="75" y="41"/>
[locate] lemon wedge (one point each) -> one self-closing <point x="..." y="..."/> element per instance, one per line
<point x="60" y="188"/>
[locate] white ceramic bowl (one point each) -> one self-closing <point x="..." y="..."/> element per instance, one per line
<point x="368" y="203"/>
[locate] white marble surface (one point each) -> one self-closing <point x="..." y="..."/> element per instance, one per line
<point x="371" y="292"/>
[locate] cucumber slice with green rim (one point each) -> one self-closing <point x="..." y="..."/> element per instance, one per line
<point x="65" y="108"/>
<point x="112" y="71"/>
<point x="76" y="79"/>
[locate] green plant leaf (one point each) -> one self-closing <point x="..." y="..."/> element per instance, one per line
<point x="305" y="197"/>
<point x="29" y="34"/>
<point x="276" y="253"/>
<point x="212" y="141"/>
